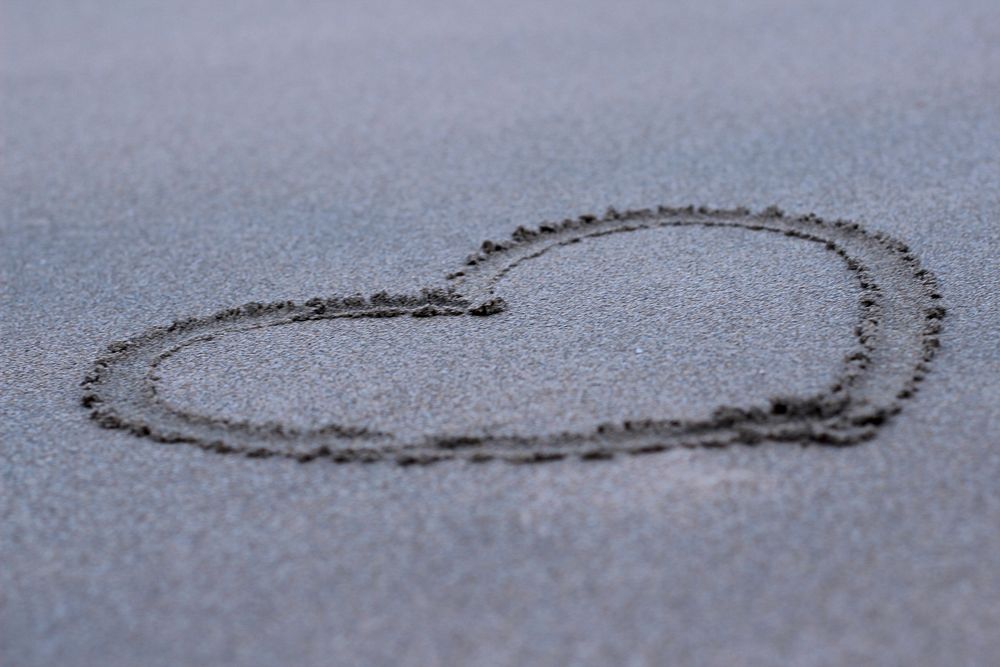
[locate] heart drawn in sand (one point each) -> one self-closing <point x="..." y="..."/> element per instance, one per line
<point x="896" y="334"/>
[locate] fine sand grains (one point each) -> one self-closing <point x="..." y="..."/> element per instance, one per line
<point x="899" y="319"/>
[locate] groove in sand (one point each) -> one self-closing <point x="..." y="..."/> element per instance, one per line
<point x="899" y="319"/>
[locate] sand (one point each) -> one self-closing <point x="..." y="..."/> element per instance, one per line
<point x="164" y="164"/>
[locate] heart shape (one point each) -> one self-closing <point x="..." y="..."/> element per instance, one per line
<point x="896" y="337"/>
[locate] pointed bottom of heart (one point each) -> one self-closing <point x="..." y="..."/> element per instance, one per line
<point x="680" y="352"/>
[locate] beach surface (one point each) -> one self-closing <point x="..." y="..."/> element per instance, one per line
<point x="166" y="162"/>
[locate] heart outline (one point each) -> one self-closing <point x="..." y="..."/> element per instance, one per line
<point x="121" y="393"/>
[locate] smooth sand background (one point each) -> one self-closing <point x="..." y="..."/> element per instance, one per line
<point x="163" y="161"/>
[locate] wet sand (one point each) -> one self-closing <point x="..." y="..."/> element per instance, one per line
<point x="794" y="502"/>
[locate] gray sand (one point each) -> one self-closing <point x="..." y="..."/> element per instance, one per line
<point x="565" y="354"/>
<point x="161" y="163"/>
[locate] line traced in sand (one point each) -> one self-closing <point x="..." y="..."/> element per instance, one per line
<point x="897" y="334"/>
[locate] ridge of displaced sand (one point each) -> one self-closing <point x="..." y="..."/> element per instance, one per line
<point x="899" y="319"/>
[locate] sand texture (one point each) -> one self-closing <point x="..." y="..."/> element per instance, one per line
<point x="534" y="334"/>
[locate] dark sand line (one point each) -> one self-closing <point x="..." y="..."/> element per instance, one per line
<point x="899" y="319"/>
